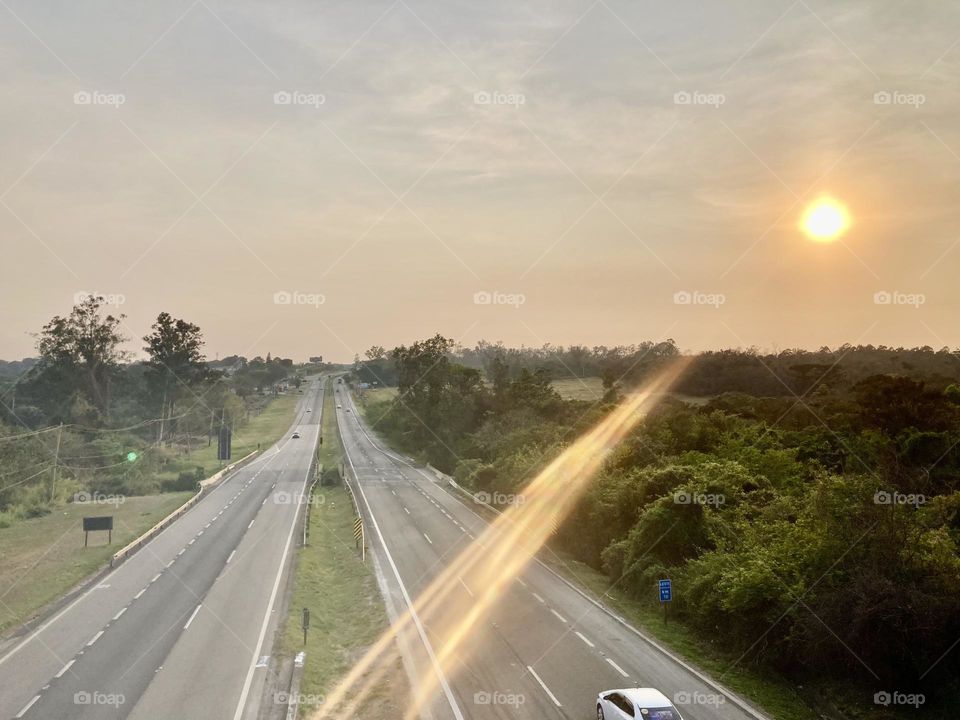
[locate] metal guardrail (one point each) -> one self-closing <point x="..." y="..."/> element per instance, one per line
<point x="137" y="543"/>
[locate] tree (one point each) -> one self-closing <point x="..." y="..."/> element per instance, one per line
<point x="80" y="356"/>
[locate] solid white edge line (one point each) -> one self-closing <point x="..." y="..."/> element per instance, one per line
<point x="241" y="704"/>
<point x="64" y="669"/>
<point x="193" y="615"/>
<point x="584" y="638"/>
<point x="27" y="707"/>
<point x="544" y="686"/>
<point x="618" y="668"/>
<point x="454" y="706"/>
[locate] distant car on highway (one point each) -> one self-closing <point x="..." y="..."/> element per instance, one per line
<point x="296" y="435"/>
<point x="339" y="406"/>
<point x="309" y="409"/>
<point x="638" y="703"/>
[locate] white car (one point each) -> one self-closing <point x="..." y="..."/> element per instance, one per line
<point x="640" y="703"/>
<point x="309" y="410"/>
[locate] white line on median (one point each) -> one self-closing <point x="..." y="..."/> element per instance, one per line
<point x="584" y="638"/>
<point x="193" y="615"/>
<point x="544" y="686"/>
<point x="95" y="638"/>
<point x="27" y="706"/>
<point x="66" y="667"/>
<point x="618" y="668"/>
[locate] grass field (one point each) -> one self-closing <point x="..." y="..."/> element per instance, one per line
<point x="588" y="388"/>
<point x="263" y="430"/>
<point x="346" y="610"/>
<point x="44" y="557"/>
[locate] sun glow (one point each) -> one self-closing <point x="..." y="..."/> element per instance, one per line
<point x="825" y="220"/>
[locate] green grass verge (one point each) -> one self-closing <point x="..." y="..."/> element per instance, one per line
<point x="347" y="613"/>
<point x="263" y="430"/>
<point x="44" y="557"/>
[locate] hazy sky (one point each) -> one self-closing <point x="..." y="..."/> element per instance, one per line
<point x="538" y="152"/>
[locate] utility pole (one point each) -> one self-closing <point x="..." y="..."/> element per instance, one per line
<point x="56" y="462"/>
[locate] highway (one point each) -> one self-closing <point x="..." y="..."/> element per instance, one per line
<point x="178" y="630"/>
<point x="546" y="649"/>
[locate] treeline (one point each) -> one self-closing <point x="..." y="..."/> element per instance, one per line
<point x="813" y="535"/>
<point x="83" y="416"/>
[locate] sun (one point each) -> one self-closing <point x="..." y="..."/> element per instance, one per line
<point x="825" y="219"/>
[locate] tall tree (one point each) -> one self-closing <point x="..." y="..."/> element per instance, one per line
<point x="80" y="356"/>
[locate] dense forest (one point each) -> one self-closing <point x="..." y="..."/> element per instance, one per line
<point x="84" y="416"/>
<point x="808" y="512"/>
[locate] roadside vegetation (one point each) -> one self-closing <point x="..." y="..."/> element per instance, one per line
<point x="83" y="417"/>
<point x="346" y="609"/>
<point x="808" y="512"/>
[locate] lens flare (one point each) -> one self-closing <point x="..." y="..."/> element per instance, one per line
<point x="492" y="561"/>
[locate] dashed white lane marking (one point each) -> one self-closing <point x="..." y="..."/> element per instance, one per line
<point x="251" y="523"/>
<point x="200" y="533"/>
<point x="170" y="563"/>
<point x="559" y="617"/>
<point x="465" y="586"/>
<point x="95" y="638"/>
<point x="155" y="578"/>
<point x="393" y="492"/>
<point x="584" y="638"/>
<point x="193" y="615"/>
<point x="117" y="616"/>
<point x="64" y="669"/>
<point x="264" y="501"/>
<point x="27" y="706"/>
<point x="428" y="538"/>
<point x="520" y="580"/>
<point x="544" y="686"/>
<point x="539" y="599"/>
<point x="137" y="596"/>
<point x="207" y="525"/>
<point x="231" y="556"/>
<point x="181" y="552"/>
<point x="406" y="511"/>
<point x="618" y="668"/>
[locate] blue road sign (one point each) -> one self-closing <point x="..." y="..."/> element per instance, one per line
<point x="666" y="591"/>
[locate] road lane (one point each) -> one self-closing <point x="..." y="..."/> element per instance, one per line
<point x="545" y="640"/>
<point x="97" y="657"/>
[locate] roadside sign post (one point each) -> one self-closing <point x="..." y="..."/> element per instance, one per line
<point x="358" y="536"/>
<point x="305" y="622"/>
<point x="665" y="588"/>
<point x="92" y="524"/>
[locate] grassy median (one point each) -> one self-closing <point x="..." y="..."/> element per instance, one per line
<point x="347" y="612"/>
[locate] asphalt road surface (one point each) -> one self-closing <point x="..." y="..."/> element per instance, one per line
<point x="546" y="650"/>
<point x="178" y="630"/>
